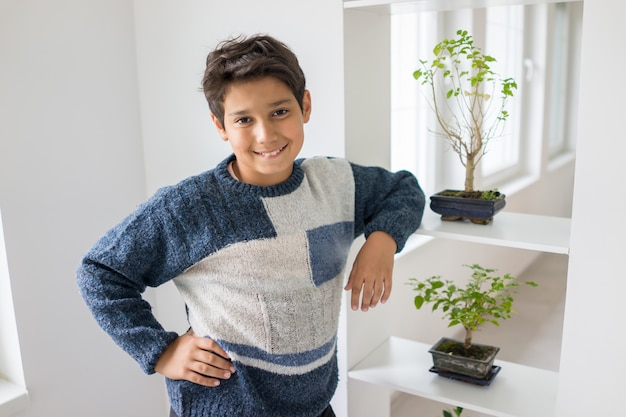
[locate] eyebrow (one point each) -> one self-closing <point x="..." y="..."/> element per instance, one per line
<point x="273" y="105"/>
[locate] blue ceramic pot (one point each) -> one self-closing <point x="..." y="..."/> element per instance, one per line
<point x="476" y="210"/>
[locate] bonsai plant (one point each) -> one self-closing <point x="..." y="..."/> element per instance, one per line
<point x="486" y="298"/>
<point x="469" y="101"/>
<point x="457" y="412"/>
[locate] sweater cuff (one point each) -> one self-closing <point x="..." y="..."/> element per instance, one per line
<point x="148" y="354"/>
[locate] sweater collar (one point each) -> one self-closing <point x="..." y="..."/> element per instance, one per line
<point x="285" y="187"/>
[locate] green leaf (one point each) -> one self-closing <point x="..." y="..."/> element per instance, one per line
<point x="446" y="413"/>
<point x="437" y="284"/>
<point x="419" y="301"/>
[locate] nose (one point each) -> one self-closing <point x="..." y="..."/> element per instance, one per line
<point x="264" y="132"/>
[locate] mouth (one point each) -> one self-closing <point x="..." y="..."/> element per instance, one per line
<point x="271" y="153"/>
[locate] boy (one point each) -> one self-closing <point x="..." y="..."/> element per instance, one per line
<point x="257" y="248"/>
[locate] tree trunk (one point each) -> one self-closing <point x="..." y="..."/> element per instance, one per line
<point x="468" y="338"/>
<point x="470" y="166"/>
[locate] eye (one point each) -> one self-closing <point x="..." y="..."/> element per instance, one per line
<point x="242" y="121"/>
<point x="280" y="112"/>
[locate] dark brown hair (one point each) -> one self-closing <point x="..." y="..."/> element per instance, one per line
<point x="245" y="58"/>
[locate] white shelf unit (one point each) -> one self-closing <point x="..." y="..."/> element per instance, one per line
<point x="517" y="391"/>
<point x="399" y="364"/>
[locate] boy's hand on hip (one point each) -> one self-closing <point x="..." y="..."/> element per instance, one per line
<point x="370" y="278"/>
<point x="195" y="359"/>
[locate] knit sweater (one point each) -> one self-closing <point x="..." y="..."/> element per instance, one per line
<point x="261" y="271"/>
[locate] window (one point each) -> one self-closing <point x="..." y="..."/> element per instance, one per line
<point x="542" y="111"/>
<point x="564" y="75"/>
<point x="504" y="38"/>
<point x="13" y="394"/>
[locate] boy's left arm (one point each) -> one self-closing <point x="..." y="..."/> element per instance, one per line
<point x="372" y="272"/>
<point x="388" y="209"/>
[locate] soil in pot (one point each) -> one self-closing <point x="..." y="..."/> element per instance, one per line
<point x="478" y="352"/>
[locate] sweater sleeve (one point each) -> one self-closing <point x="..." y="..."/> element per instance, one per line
<point x="389" y="202"/>
<point x="141" y="251"/>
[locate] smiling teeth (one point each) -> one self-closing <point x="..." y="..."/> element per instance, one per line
<point x="276" y="152"/>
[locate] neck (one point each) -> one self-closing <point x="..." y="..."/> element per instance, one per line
<point x="232" y="170"/>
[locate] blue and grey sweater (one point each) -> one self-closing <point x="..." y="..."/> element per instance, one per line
<point x="261" y="272"/>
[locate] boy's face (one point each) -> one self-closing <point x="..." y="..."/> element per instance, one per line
<point x="265" y="127"/>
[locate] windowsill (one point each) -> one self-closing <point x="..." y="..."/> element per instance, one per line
<point x="13" y="398"/>
<point x="561" y="160"/>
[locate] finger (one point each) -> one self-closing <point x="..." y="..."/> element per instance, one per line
<point x="214" y="363"/>
<point x="212" y="369"/>
<point x="212" y="359"/>
<point x="356" y="295"/>
<point x="209" y="345"/>
<point x="200" y="379"/>
<point x="377" y="293"/>
<point x="348" y="286"/>
<point x="355" y="288"/>
<point x="387" y="291"/>
<point x="368" y="294"/>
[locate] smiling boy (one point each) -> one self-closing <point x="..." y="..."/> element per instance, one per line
<point x="265" y="127"/>
<point x="257" y="248"/>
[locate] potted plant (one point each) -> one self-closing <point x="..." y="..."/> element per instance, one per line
<point x="456" y="410"/>
<point x="486" y="298"/>
<point x="469" y="101"/>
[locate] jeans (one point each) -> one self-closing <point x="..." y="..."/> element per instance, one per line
<point x="326" y="413"/>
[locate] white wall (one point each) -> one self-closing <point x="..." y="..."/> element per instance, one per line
<point x="70" y="166"/>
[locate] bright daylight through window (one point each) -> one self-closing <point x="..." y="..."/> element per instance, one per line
<point x="536" y="45"/>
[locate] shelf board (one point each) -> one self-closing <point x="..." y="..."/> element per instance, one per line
<point x="517" y="390"/>
<point x="13" y="398"/>
<point x="516" y="230"/>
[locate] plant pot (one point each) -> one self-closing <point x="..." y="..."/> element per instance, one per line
<point x="453" y="207"/>
<point x="445" y="359"/>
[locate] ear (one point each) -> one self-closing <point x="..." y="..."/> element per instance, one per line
<point x="219" y="127"/>
<point x="306" y="106"/>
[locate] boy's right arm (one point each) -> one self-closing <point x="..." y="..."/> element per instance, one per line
<point x="146" y="249"/>
<point x="120" y="311"/>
